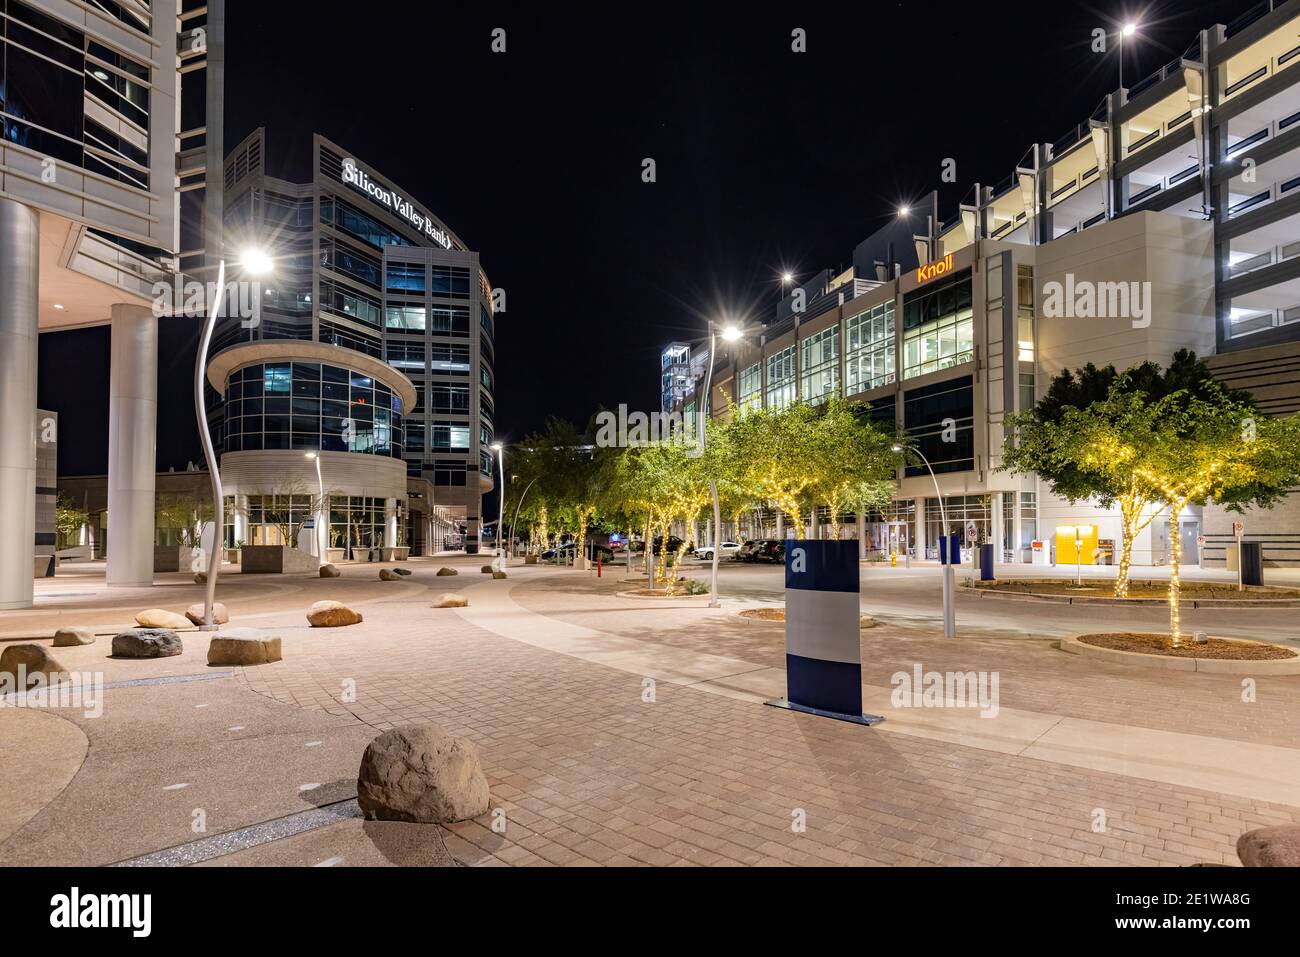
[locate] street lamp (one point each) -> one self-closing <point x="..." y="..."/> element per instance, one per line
<point x="320" y="512"/>
<point x="1126" y="31"/>
<point x="949" y="594"/>
<point x="730" y="333"/>
<point x="255" y="263"/>
<point x="501" y="495"/>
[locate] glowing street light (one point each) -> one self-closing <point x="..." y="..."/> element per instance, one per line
<point x="1128" y="30"/>
<point x="501" y="495"/>
<point x="904" y="211"/>
<point x="255" y="262"/>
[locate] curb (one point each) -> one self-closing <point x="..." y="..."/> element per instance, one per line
<point x="1222" y="666"/>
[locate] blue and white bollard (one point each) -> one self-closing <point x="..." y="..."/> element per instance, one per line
<point x="823" y="661"/>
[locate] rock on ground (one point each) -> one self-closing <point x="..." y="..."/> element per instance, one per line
<point x="243" y="646"/>
<point x="499" y="575"/>
<point x="388" y="575"/>
<point x="329" y="571"/>
<point x="219" y="614"/>
<point x="200" y="578"/>
<point x="33" y="659"/>
<point x="420" y="773"/>
<point x="159" y="618"/>
<point x="447" y="571"/>
<point x="487" y="569"/>
<point x="452" y="600"/>
<point x="73" y="635"/>
<point x="1277" y="846"/>
<point x="332" y="614"/>
<point x="402" y="571"/>
<point x="147" y="643"/>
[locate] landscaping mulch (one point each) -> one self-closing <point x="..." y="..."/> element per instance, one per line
<point x="778" y="614"/>
<point x="1149" y="644"/>
<point x="1189" y="591"/>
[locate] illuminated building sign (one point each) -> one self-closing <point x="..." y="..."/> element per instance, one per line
<point x="935" y="269"/>
<point x="394" y="201"/>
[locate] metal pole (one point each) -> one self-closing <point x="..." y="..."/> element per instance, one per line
<point x="321" y="521"/>
<point x="209" y="453"/>
<point x="501" y="500"/>
<point x="949" y="599"/>
<point x="713" y="485"/>
<point x="518" y="505"/>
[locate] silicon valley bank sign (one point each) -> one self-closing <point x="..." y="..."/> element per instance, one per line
<point x="390" y="198"/>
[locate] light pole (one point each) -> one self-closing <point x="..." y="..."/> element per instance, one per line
<point x="255" y="263"/>
<point x="519" y="505"/>
<point x="320" y="511"/>
<point x="949" y="584"/>
<point x="730" y="333"/>
<point x="1126" y="31"/>
<point x="501" y="495"/>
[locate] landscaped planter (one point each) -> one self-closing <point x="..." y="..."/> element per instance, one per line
<point x="275" y="560"/>
<point x="178" y="558"/>
<point x="530" y="559"/>
<point x="335" y="555"/>
<point x="1224" y="666"/>
<point x="399" y="554"/>
<point x="1194" y="594"/>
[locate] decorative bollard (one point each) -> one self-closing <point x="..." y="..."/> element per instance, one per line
<point x="823" y="661"/>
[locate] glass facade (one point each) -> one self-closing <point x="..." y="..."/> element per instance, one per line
<point x="781" y="380"/>
<point x="940" y="421"/>
<point x="749" y="390"/>
<point x="819" y="365"/>
<point x="938" y="326"/>
<point x="310" y="406"/>
<point x="869" y="348"/>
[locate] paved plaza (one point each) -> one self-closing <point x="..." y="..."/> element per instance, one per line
<point x="618" y="730"/>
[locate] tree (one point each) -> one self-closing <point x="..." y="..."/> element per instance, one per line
<point x="185" y="513"/>
<point x="777" y="456"/>
<point x="1082" y="438"/>
<point x="1205" y="445"/>
<point x="69" y="519"/>
<point x="854" y="463"/>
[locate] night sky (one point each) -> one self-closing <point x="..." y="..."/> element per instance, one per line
<point x="766" y="159"/>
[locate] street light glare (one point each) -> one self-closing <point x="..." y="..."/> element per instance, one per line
<point x="904" y="210"/>
<point x="787" y="277"/>
<point x="495" y="446"/>
<point x="309" y="455"/>
<point x="895" y="447"/>
<point x="731" y="333"/>
<point x="1130" y="29"/>
<point x="255" y="262"/>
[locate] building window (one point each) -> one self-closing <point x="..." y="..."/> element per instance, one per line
<point x="869" y="349"/>
<point x="411" y="318"/>
<point x="1025" y="313"/>
<point x="819" y="364"/>
<point x="781" y="379"/>
<point x="749" y="394"/>
<point x="939" y="419"/>
<point x="450" y="436"/>
<point x="938" y="327"/>
<point x="405" y="277"/>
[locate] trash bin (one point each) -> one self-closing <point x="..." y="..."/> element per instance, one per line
<point x="986" y="563"/>
<point x="1252" y="563"/>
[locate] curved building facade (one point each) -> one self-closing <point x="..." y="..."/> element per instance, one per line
<point x="368" y="351"/>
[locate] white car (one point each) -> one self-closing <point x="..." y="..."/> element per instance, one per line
<point x="725" y="550"/>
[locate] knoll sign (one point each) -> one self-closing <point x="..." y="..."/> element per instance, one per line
<point x="394" y="201"/>
<point x="934" y="270"/>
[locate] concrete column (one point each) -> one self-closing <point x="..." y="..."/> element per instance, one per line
<point x="390" y="523"/>
<point x="19" y="297"/>
<point x="814" y="525"/>
<point x="918" y="543"/>
<point x="241" y="518"/>
<point x="862" y="532"/>
<point x="997" y="526"/>
<point x="132" y="453"/>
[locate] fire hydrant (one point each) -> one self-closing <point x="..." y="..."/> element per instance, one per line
<point x="893" y="559"/>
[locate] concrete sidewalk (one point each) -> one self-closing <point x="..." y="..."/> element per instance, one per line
<point x="1227" y="766"/>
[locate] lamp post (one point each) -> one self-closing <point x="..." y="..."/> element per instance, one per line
<point x="519" y="505"/>
<point x="949" y="584"/>
<point x="730" y="333"/>
<point x="255" y="263"/>
<point x="1126" y="31"/>
<point x="320" y="511"/>
<point x="501" y="497"/>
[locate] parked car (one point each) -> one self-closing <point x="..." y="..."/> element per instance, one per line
<point x="725" y="550"/>
<point x="770" y="550"/>
<point x="674" y="543"/>
<point x="749" y="551"/>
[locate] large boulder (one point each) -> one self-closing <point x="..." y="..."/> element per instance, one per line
<point x="159" y="618"/>
<point x="388" y="575"/>
<point x="402" y="571"/>
<point x="329" y="571"/>
<point x="243" y="646"/>
<point x="420" y="773"/>
<point x="147" y="643"/>
<point x="499" y="575"/>
<point x="452" y="600"/>
<point x="332" y="614"/>
<point x="200" y="578"/>
<point x="33" y="660"/>
<point x="447" y="571"/>
<point x="219" y="614"/>
<point x="487" y="569"/>
<point x="73" y="635"/>
<point x="1277" y="846"/>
